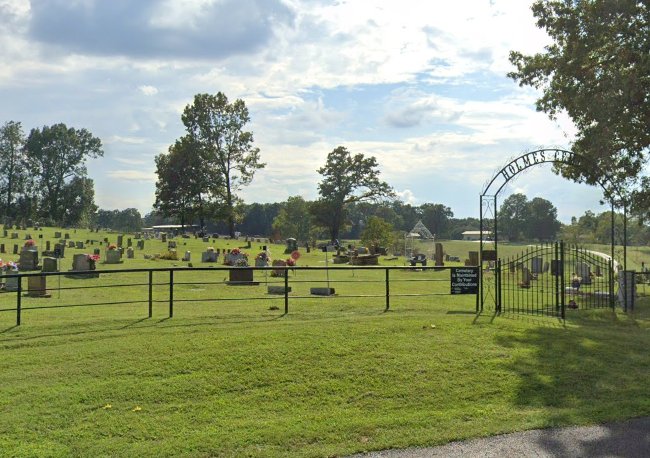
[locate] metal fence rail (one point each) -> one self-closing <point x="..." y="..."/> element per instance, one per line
<point x="167" y="286"/>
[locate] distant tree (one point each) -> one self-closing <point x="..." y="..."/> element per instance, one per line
<point x="78" y="197"/>
<point x="128" y="220"/>
<point x="377" y="233"/>
<point x="258" y="218"/>
<point x="347" y="179"/>
<point x="230" y="157"/>
<point x="513" y="216"/>
<point x="436" y="218"/>
<point x="542" y="223"/>
<point x="596" y="70"/>
<point x="12" y="163"/>
<point x="56" y="154"/>
<point x="294" y="219"/>
<point x="185" y="189"/>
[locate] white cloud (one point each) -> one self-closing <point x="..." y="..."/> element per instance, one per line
<point x="148" y="90"/>
<point x="132" y="175"/>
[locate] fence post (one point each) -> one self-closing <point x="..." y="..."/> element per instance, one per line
<point x="171" y="293"/>
<point x="286" y="291"/>
<point x="387" y="289"/>
<point x="19" y="293"/>
<point x="150" y="293"/>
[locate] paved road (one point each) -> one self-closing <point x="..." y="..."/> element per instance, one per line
<point x="629" y="439"/>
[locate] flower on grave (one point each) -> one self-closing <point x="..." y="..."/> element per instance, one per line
<point x="291" y="262"/>
<point x="241" y="262"/>
<point x="235" y="251"/>
<point x="112" y="247"/>
<point x="29" y="243"/>
<point x="263" y="256"/>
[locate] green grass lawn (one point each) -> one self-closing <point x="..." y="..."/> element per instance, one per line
<point x="333" y="377"/>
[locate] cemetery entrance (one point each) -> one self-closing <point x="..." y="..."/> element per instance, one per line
<point x="547" y="279"/>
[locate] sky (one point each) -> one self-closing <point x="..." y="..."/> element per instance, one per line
<point x="420" y="85"/>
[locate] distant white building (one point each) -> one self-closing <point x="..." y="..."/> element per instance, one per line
<point x="476" y="235"/>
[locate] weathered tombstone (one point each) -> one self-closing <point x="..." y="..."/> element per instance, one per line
<point x="140" y="244"/>
<point x="473" y="258"/>
<point x="14" y="235"/>
<point x="97" y="251"/>
<point x="60" y="248"/>
<point x="105" y="239"/>
<point x="28" y="260"/>
<point x="206" y="239"/>
<point x="80" y="262"/>
<point x="597" y="270"/>
<point x="171" y="245"/>
<point x="47" y="245"/>
<point x="545" y="268"/>
<point x="187" y="257"/>
<point x="584" y="272"/>
<point x="36" y="286"/>
<point x="66" y="236"/>
<point x="120" y="239"/>
<point x="50" y="265"/>
<point x="80" y="245"/>
<point x="70" y="244"/>
<point x="57" y="235"/>
<point x="129" y="242"/>
<point x="15" y="249"/>
<point x="525" y="278"/>
<point x="292" y="245"/>
<point x="439" y="255"/>
<point x="2" y="247"/>
<point x="113" y="257"/>
<point x="209" y="256"/>
<point x="11" y="284"/>
<point x="129" y="253"/>
<point x="163" y="237"/>
<point x="537" y="265"/>
<point x="556" y="268"/>
<point x="138" y="236"/>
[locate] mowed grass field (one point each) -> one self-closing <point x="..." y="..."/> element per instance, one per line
<point x="335" y="376"/>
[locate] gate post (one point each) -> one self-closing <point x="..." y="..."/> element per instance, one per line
<point x="563" y="282"/>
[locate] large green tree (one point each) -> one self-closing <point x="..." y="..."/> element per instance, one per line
<point x="513" y="216"/>
<point x="436" y="218"/>
<point x="217" y="125"/>
<point x="294" y="220"/>
<point x="12" y="163"/>
<point x="185" y="188"/>
<point x="597" y="70"/>
<point x="347" y="178"/>
<point x="377" y="233"/>
<point x="57" y="154"/>
<point x="542" y="223"/>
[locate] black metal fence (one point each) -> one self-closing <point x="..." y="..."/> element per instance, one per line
<point x="170" y="287"/>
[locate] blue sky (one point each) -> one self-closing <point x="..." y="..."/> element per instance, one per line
<point x="419" y="85"/>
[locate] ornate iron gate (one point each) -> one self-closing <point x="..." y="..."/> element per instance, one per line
<point x="547" y="279"/>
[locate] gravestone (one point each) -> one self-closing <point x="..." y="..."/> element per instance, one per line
<point x="209" y="256"/>
<point x="120" y="240"/>
<point x="11" y="284"/>
<point x="138" y="236"/>
<point x="163" y="237"/>
<point x="171" y="245"/>
<point x="545" y="268"/>
<point x="80" y="262"/>
<point x="15" y="249"/>
<point x="97" y="251"/>
<point x="2" y="247"/>
<point x="14" y="235"/>
<point x="584" y="272"/>
<point x="206" y="239"/>
<point x="140" y="244"/>
<point x="113" y="257"/>
<point x="50" y="265"/>
<point x="47" y="245"/>
<point x="80" y="245"/>
<point x="187" y="257"/>
<point x="70" y="244"/>
<point x="525" y="278"/>
<point x="66" y="236"/>
<point x="473" y="258"/>
<point x="36" y="286"/>
<point x="439" y="255"/>
<point x="129" y="242"/>
<point x="57" y="235"/>
<point x="60" y="248"/>
<point x="129" y="253"/>
<point x="537" y="265"/>
<point x="28" y="260"/>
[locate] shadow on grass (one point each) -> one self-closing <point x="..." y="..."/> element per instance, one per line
<point x="9" y="329"/>
<point x="590" y="371"/>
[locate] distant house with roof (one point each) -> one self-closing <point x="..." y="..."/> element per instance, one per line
<point x="476" y="235"/>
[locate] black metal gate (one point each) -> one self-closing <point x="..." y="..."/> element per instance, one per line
<point x="547" y="279"/>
